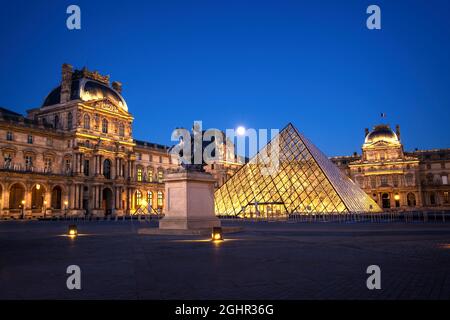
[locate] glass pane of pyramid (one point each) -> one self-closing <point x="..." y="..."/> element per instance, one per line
<point x="290" y="175"/>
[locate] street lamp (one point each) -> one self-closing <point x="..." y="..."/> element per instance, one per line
<point x="45" y="208"/>
<point x="23" y="208"/>
<point x="65" y="208"/>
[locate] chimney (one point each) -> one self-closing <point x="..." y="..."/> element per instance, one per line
<point x="366" y="131"/>
<point x="66" y="83"/>
<point x="397" y="131"/>
<point x="117" y="86"/>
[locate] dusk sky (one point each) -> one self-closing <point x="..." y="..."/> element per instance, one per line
<point x="260" y="64"/>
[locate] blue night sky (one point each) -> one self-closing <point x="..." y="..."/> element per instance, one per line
<point x="260" y="64"/>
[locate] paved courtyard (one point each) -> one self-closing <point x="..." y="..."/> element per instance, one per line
<point x="268" y="260"/>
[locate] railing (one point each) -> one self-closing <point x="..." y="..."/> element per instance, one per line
<point x="361" y="217"/>
<point x="31" y="169"/>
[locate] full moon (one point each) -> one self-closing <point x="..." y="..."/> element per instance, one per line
<point x="240" y="130"/>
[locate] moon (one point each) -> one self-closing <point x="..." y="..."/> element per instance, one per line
<point x="240" y="130"/>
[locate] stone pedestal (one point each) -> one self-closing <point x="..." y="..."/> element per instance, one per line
<point x="189" y="201"/>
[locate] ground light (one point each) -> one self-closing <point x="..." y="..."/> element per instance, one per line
<point x="73" y="231"/>
<point x="217" y="234"/>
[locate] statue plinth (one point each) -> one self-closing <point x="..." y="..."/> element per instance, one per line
<point x="189" y="201"/>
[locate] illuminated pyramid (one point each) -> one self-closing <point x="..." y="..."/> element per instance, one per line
<point x="305" y="181"/>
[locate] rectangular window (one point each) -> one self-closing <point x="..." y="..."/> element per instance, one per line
<point x="9" y="136"/>
<point x="86" y="167"/>
<point x="444" y="180"/>
<point x="48" y="165"/>
<point x="67" y="165"/>
<point x="160" y="176"/>
<point x="28" y="162"/>
<point x="150" y="175"/>
<point x="446" y="199"/>
<point x="160" y="199"/>
<point x="49" y="142"/>
<point x="139" y="174"/>
<point x="30" y="139"/>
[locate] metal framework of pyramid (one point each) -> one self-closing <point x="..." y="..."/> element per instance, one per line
<point x="305" y="182"/>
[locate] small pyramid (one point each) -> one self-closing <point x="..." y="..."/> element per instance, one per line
<point x="290" y="175"/>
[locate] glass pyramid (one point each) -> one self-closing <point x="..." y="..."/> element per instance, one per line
<point x="305" y="181"/>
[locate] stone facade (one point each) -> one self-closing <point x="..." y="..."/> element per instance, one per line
<point x="399" y="180"/>
<point x="75" y="155"/>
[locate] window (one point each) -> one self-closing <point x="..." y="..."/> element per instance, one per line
<point x="28" y="162"/>
<point x="49" y="142"/>
<point x="446" y="199"/>
<point x="69" y="120"/>
<point x="48" y="165"/>
<point x="56" y="121"/>
<point x="138" y="198"/>
<point x="86" y="167"/>
<point x="384" y="180"/>
<point x="150" y="199"/>
<point x="395" y="180"/>
<point x="160" y="159"/>
<point x="373" y="182"/>
<point x="444" y="179"/>
<point x="8" y="160"/>
<point x="409" y="179"/>
<point x="411" y="198"/>
<point x="105" y="126"/>
<point x="139" y="156"/>
<point x="87" y="122"/>
<point x="432" y="199"/>
<point x="68" y="166"/>
<point x="160" y="199"/>
<point x="139" y="174"/>
<point x="150" y="175"/>
<point x="30" y="139"/>
<point x="121" y="130"/>
<point x="9" y="136"/>
<point x="160" y="176"/>
<point x="107" y="169"/>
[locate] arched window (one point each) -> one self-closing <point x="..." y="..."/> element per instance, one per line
<point x="139" y="174"/>
<point x="138" y="201"/>
<point x="150" y="199"/>
<point x="411" y="198"/>
<point x="56" y="197"/>
<point x="105" y="126"/>
<point x="37" y="196"/>
<point x="87" y="122"/>
<point x="56" y="121"/>
<point x="16" y="196"/>
<point x="107" y="169"/>
<point x="160" y="199"/>
<point x="69" y="120"/>
<point x="121" y="129"/>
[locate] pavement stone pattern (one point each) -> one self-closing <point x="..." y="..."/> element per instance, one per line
<point x="268" y="260"/>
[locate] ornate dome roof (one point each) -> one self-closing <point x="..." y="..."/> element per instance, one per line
<point x="383" y="133"/>
<point x="85" y="87"/>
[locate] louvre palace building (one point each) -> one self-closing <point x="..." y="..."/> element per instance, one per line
<point x="75" y="155"/>
<point x="397" y="179"/>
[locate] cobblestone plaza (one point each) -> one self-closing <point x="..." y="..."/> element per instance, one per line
<point x="268" y="260"/>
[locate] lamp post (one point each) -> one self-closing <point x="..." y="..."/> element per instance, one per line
<point x="45" y="208"/>
<point x="65" y="208"/>
<point x="23" y="209"/>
